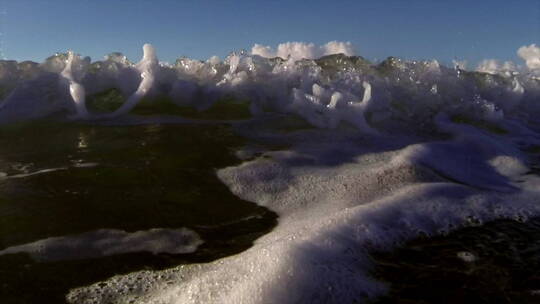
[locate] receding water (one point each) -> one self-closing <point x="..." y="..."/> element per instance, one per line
<point x="63" y="179"/>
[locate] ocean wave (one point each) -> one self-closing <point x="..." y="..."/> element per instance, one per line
<point x="313" y="82"/>
<point x="384" y="152"/>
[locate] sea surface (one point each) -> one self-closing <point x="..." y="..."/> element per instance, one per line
<point x="269" y="180"/>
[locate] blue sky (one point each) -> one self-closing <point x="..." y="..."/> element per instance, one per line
<point x="413" y="29"/>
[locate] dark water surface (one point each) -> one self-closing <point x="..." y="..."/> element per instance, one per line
<point x="501" y="265"/>
<point x="116" y="177"/>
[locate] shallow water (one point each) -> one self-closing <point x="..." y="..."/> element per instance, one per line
<point x="63" y="179"/>
<point x="498" y="262"/>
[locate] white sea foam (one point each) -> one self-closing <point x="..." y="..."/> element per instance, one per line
<point x="340" y="196"/>
<point x="492" y="66"/>
<point x="398" y="90"/>
<point x="105" y="242"/>
<point x="147" y="69"/>
<point x="38" y="172"/>
<point x="301" y="50"/>
<point x="531" y="55"/>
<point x="76" y="90"/>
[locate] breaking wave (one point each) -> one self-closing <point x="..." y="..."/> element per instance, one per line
<point x="325" y="85"/>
